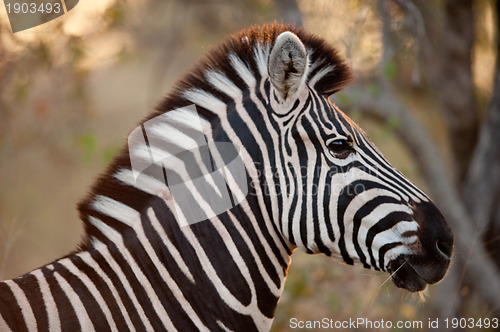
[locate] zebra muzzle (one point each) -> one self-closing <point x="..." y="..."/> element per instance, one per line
<point x="430" y="263"/>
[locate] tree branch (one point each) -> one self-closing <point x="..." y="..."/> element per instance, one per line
<point x="445" y="54"/>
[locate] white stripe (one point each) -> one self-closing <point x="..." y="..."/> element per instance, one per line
<point x="250" y="168"/>
<point x="391" y="254"/>
<point x="173" y="135"/>
<point x="3" y="324"/>
<point x="261" y="53"/>
<point x="89" y="260"/>
<point x="225" y="294"/>
<point x="103" y="249"/>
<point x="242" y="70"/>
<point x="159" y="156"/>
<point x="92" y="289"/>
<point x="144" y="182"/>
<point x="23" y="303"/>
<point x="359" y="201"/>
<point x="76" y="303"/>
<point x="48" y="301"/>
<point x="319" y="75"/>
<point x="171" y="248"/>
<point x="116" y="210"/>
<point x="416" y="194"/>
<point x="383" y="175"/>
<point x="222" y="326"/>
<point x="204" y="99"/>
<point x="223" y="84"/>
<point x="321" y="211"/>
<point x="188" y="119"/>
<point x="407" y="226"/>
<point x="172" y="285"/>
<point x="184" y="117"/>
<point x="105" y="229"/>
<point x="311" y="168"/>
<point x="127" y="215"/>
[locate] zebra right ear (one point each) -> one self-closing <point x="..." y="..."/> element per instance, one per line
<point x="287" y="64"/>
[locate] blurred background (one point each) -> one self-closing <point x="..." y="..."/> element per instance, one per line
<point x="426" y="92"/>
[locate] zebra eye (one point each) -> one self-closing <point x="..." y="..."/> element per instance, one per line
<point x="340" y="148"/>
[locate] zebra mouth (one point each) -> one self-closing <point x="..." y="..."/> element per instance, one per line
<point x="404" y="275"/>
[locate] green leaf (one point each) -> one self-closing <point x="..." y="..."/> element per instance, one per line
<point x="390" y="70"/>
<point x="393" y="122"/>
<point x="333" y="303"/>
<point x="391" y="125"/>
<point x="21" y="89"/>
<point x="110" y="152"/>
<point x="88" y="143"/>
<point x="374" y="90"/>
<point x="342" y="98"/>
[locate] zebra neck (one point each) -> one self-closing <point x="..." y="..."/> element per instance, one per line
<point x="235" y="262"/>
<point x="207" y="276"/>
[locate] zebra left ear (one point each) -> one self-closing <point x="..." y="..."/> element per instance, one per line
<point x="287" y="64"/>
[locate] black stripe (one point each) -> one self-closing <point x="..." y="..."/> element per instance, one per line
<point x="131" y="275"/>
<point x="365" y="210"/>
<point x="348" y="193"/>
<point x="10" y="309"/>
<point x="29" y="284"/>
<point x="293" y="206"/>
<point x="90" y="304"/>
<point x="252" y="148"/>
<point x="104" y="290"/>
<point x="67" y="315"/>
<point x="385" y="248"/>
<point x="221" y="260"/>
<point x="384" y="224"/>
<point x="325" y="113"/>
<point x="203" y="296"/>
<point x="129" y="305"/>
<point x="400" y="182"/>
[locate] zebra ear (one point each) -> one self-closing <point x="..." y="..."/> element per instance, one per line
<point x="287" y="64"/>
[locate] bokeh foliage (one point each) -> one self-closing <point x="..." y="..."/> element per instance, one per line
<point x="71" y="90"/>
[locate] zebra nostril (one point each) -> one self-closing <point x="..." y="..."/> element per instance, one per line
<point x="444" y="248"/>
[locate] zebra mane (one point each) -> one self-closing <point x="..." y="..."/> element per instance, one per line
<point x="327" y="74"/>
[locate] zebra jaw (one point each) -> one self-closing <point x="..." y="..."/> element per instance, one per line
<point x="405" y="276"/>
<point x="413" y="277"/>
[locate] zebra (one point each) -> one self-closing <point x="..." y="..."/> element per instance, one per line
<point x="312" y="180"/>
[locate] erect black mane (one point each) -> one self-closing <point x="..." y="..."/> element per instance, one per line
<point x="322" y="57"/>
<point x="242" y="44"/>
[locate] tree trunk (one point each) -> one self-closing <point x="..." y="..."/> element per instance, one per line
<point x="445" y="43"/>
<point x="456" y="85"/>
<point x="472" y="263"/>
<point x="290" y="12"/>
<point x="445" y="53"/>
<point x="482" y="186"/>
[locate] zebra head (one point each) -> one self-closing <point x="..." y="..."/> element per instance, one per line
<point x="163" y="251"/>
<point x="338" y="194"/>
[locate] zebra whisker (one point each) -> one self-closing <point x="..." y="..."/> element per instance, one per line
<point x="393" y="273"/>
